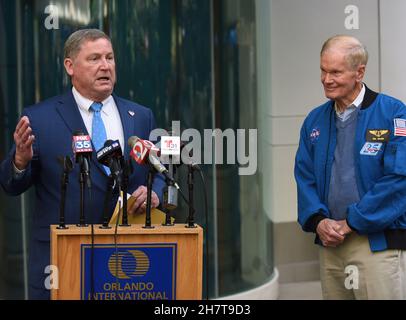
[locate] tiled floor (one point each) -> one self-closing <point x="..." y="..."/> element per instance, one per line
<point x="300" y="291"/>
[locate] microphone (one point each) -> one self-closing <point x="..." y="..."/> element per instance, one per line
<point x="110" y="156"/>
<point x="142" y="151"/>
<point x="141" y="148"/>
<point x="171" y="147"/>
<point x="81" y="145"/>
<point x="170" y="198"/>
<point x="82" y="152"/>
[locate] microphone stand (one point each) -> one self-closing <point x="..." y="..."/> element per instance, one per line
<point x="67" y="167"/>
<point x="107" y="200"/>
<point x="151" y="173"/>
<point x="82" y="180"/>
<point x="168" y="196"/>
<point x="124" y="188"/>
<point x="168" y="222"/>
<point x="191" y="217"/>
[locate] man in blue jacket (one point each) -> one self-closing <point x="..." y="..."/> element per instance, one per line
<point x="45" y="131"/>
<point x="350" y="171"/>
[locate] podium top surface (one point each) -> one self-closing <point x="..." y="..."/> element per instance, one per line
<point x="133" y="229"/>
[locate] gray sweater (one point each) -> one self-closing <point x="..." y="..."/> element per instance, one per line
<point x="343" y="189"/>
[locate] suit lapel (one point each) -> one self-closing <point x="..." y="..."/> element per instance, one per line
<point x="127" y="121"/>
<point x="69" y="112"/>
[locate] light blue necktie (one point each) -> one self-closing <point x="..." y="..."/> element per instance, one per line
<point x="99" y="135"/>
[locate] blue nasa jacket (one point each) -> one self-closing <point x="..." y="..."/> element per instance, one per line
<point x="380" y="169"/>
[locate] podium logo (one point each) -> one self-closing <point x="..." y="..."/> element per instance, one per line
<point x="128" y="264"/>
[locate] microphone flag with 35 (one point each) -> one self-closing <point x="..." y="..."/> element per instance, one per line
<point x="82" y="152"/>
<point x="81" y="146"/>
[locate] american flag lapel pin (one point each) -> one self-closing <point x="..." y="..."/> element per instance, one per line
<point x="131" y="113"/>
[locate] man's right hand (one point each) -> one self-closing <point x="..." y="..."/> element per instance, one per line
<point x="24" y="140"/>
<point x="329" y="233"/>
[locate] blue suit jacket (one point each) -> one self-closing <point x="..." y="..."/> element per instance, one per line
<point x="53" y="122"/>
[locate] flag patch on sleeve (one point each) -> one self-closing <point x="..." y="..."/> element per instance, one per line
<point x="400" y="127"/>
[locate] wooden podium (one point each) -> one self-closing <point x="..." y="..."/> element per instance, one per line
<point x="68" y="254"/>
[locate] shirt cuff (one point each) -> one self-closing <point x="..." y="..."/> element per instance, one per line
<point x="17" y="173"/>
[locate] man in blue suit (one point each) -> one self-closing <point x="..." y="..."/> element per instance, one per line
<point x="45" y="131"/>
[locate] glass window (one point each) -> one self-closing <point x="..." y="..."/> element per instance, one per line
<point x="244" y="237"/>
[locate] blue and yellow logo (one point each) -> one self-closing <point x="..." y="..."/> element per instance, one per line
<point x="128" y="264"/>
<point x="128" y="271"/>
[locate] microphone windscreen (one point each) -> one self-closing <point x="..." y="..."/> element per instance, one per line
<point x="108" y="143"/>
<point x="78" y="133"/>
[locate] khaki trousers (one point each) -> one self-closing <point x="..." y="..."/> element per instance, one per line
<point x="352" y="271"/>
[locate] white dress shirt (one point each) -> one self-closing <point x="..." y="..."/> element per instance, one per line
<point x="109" y="114"/>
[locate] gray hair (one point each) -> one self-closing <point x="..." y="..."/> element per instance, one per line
<point x="356" y="52"/>
<point x="76" y="39"/>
